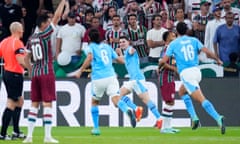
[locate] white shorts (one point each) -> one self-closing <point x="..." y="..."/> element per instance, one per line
<point x="109" y="85"/>
<point x="191" y="78"/>
<point x="136" y="85"/>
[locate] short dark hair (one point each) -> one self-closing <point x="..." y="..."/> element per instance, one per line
<point x="156" y="15"/>
<point x="94" y="17"/>
<point x="229" y="14"/>
<point x="179" y="8"/>
<point x="94" y="35"/>
<point x="165" y="35"/>
<point x="124" y="37"/>
<point x="116" y="16"/>
<point x="41" y="19"/>
<point x="89" y="11"/>
<point x="182" y="28"/>
<point x="131" y="15"/>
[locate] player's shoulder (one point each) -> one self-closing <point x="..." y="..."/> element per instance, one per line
<point x="34" y="36"/>
<point x="192" y="38"/>
<point x="97" y="45"/>
<point x="176" y="41"/>
<point x="104" y="45"/>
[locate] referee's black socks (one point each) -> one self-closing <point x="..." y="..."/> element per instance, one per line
<point x="16" y="118"/>
<point x="6" y="118"/>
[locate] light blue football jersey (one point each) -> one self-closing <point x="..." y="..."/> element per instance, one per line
<point x="103" y="56"/>
<point x="185" y="49"/>
<point x="132" y="65"/>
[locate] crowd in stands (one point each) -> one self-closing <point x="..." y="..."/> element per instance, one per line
<point x="216" y="23"/>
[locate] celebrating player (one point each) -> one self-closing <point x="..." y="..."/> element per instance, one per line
<point x="167" y="85"/>
<point x="43" y="79"/>
<point x="103" y="78"/>
<point x="137" y="79"/>
<point x="185" y="50"/>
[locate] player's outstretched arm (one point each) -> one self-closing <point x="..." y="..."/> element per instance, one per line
<point x="58" y="12"/>
<point x="212" y="55"/>
<point x="86" y="64"/>
<point x="120" y="58"/>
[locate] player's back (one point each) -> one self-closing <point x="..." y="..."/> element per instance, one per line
<point x="185" y="50"/>
<point x="103" y="56"/>
<point x="40" y="46"/>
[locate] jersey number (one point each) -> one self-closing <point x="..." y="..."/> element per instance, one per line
<point x="104" y="57"/>
<point x="37" y="52"/>
<point x="188" y="52"/>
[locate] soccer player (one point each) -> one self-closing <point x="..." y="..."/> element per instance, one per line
<point x="43" y="79"/>
<point x="13" y="53"/>
<point x="167" y="86"/>
<point x="137" y="79"/>
<point x="185" y="50"/>
<point x="103" y="78"/>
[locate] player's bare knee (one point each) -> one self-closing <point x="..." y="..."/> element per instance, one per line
<point x="47" y="104"/>
<point x="124" y="91"/>
<point x="35" y="104"/>
<point x="95" y="102"/>
<point x="144" y="97"/>
<point x="170" y="103"/>
<point x="182" y="91"/>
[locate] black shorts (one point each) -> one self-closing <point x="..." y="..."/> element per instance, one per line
<point x="14" y="84"/>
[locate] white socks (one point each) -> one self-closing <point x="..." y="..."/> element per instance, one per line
<point x="32" y="117"/>
<point x="47" y="121"/>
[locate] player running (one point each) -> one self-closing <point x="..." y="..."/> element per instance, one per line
<point x="137" y="79"/>
<point x="166" y="78"/>
<point x="103" y="78"/>
<point x="185" y="49"/>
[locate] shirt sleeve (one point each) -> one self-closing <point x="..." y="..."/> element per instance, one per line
<point x="19" y="48"/>
<point x="215" y="38"/>
<point x="169" y="51"/>
<point x="114" y="54"/>
<point x="199" y="45"/>
<point x="88" y="50"/>
<point x="83" y="30"/>
<point x="149" y="35"/>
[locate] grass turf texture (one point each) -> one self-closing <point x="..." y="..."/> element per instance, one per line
<point x="139" y="135"/>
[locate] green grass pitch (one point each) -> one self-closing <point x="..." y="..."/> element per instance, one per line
<point x="139" y="135"/>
